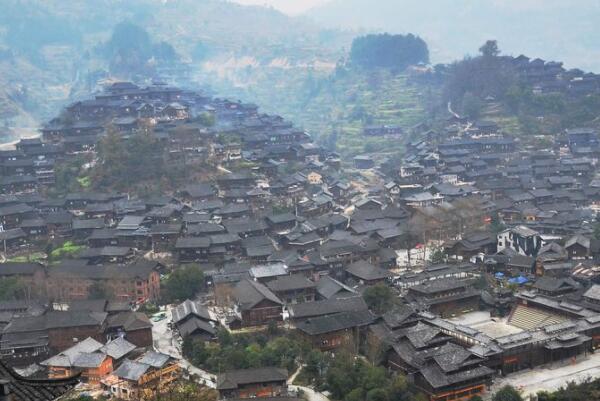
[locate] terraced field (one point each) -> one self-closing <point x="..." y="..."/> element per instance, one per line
<point x="323" y="102"/>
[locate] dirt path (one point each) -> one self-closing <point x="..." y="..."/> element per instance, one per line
<point x="311" y="395"/>
<point x="165" y="342"/>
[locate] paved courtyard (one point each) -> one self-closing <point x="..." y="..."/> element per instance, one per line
<point x="493" y="327"/>
<point x="549" y="378"/>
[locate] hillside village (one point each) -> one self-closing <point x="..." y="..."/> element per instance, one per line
<point x="470" y="264"/>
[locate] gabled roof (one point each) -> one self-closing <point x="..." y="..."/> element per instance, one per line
<point x="88" y="224"/>
<point x="89" y="359"/>
<point x="289" y="283"/>
<point x="192" y="243"/>
<point x="130" y="222"/>
<point x="199" y="190"/>
<point x="397" y="316"/>
<point x="363" y="270"/>
<point x="68" y="357"/>
<point x="249" y="293"/>
<point x="190" y="308"/>
<point x="19" y="268"/>
<point x="270" y="270"/>
<point x="55" y="319"/>
<point x="336" y="322"/>
<point x="328" y="307"/>
<point x="422" y="335"/>
<point x="166" y="229"/>
<point x="281" y="218"/>
<point x="593" y="293"/>
<point x="154" y="359"/>
<point x="551" y="284"/>
<point x="194" y="324"/>
<point x="328" y="287"/>
<point x="436" y="378"/>
<point x="131" y="370"/>
<point x="118" y="348"/>
<point x="232" y="379"/>
<point x="451" y="357"/>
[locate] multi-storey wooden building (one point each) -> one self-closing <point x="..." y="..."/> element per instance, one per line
<point x="253" y="383"/>
<point x="136" y="282"/>
<point x="143" y="379"/>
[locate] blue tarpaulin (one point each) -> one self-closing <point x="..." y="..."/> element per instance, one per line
<point x="518" y="280"/>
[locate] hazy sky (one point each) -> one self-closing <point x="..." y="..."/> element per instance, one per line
<point x="287" y="6"/>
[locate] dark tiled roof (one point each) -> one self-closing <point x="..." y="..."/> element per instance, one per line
<point x="546" y="283"/>
<point x="192" y="242"/>
<point x="335" y="322"/>
<point x="289" y="283"/>
<point x="131" y="370"/>
<point x="187" y="308"/>
<point x="281" y="218"/>
<point x="328" y="287"/>
<point x="366" y="271"/>
<point x="88" y="224"/>
<point x="422" y="335"/>
<point x="118" y="348"/>
<point x="129" y="321"/>
<point x="55" y="319"/>
<point x="25" y="389"/>
<point x="193" y="324"/>
<point x="199" y="190"/>
<point x="20" y="268"/>
<point x="439" y="286"/>
<point x="154" y="359"/>
<point x="328" y="307"/>
<point x="249" y="293"/>
<point x="397" y="316"/>
<point x="434" y="375"/>
<point x="232" y="379"/>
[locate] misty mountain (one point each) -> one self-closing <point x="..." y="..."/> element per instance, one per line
<point x="549" y="29"/>
<point x="63" y="44"/>
<point x="28" y="24"/>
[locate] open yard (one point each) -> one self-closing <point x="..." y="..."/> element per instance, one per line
<point x="493" y="327"/>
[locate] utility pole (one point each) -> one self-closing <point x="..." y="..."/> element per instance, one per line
<point x="4" y="240"/>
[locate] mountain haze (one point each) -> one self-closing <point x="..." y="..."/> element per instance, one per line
<point x="549" y="29"/>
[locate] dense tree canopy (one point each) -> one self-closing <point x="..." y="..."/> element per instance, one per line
<point x="473" y="79"/>
<point x="183" y="283"/>
<point x="585" y="391"/>
<point x="389" y="51"/>
<point x="130" y="48"/>
<point x="243" y="351"/>
<point x="379" y="298"/>
<point x="352" y="379"/>
<point x="507" y="393"/>
<point x="12" y="288"/>
<point x="124" y="163"/>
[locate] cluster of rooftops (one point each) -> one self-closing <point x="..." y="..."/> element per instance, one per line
<point x="333" y="238"/>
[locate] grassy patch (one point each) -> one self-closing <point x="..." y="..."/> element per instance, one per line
<point x="68" y="249"/>
<point x="32" y="257"/>
<point x="85" y="182"/>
